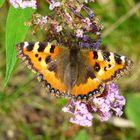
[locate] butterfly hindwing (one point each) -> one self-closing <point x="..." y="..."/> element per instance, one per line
<point x="92" y="87"/>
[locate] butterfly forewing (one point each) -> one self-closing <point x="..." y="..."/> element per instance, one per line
<point x="41" y="57"/>
<point x="107" y="65"/>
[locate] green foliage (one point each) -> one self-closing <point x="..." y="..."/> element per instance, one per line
<point x="15" y="33"/>
<point x="27" y="131"/>
<point x="82" y="135"/>
<point x="133" y="110"/>
<point x="62" y="102"/>
<point x="1" y="3"/>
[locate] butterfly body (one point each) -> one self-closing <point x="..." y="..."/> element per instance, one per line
<point x="71" y="71"/>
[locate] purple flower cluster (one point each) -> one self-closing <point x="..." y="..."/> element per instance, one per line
<point x="86" y="1"/>
<point x="23" y="3"/>
<point x="54" y="4"/>
<point x="40" y="20"/>
<point x="80" y="113"/>
<point x="104" y="106"/>
<point x="67" y="20"/>
<point x="111" y="101"/>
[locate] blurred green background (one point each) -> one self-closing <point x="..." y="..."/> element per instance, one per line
<point x="27" y="112"/>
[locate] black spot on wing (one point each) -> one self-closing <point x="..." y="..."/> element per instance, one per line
<point x="30" y="46"/>
<point x="36" y="55"/>
<point x="48" y="59"/>
<point x="42" y="46"/>
<point x="105" y="68"/>
<point x="106" y="56"/>
<point x="118" y="59"/>
<point x="109" y="65"/>
<point x="39" y="59"/>
<point x="95" y="55"/>
<point x="52" y="48"/>
<point x="96" y="67"/>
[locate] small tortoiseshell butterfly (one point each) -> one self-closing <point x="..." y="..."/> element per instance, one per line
<point x="73" y="72"/>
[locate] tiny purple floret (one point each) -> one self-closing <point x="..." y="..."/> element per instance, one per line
<point x="23" y="3"/>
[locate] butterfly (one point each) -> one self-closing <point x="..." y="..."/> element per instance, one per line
<point x="73" y="72"/>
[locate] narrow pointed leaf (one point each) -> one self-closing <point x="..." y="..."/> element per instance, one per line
<point x="15" y="33"/>
<point x="1" y="3"/>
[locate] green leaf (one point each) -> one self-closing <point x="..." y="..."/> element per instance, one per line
<point x="27" y="131"/>
<point x="1" y="3"/>
<point x="62" y="102"/>
<point x="133" y="110"/>
<point x="15" y="33"/>
<point x="82" y="135"/>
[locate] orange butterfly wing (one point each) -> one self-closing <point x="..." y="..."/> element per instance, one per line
<point x="38" y="56"/>
<point x="106" y="66"/>
<point x="87" y="90"/>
